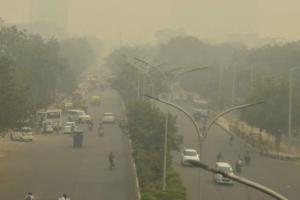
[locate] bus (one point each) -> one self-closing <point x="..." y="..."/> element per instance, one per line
<point x="55" y="115"/>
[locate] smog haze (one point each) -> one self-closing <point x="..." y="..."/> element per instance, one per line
<point x="138" y="20"/>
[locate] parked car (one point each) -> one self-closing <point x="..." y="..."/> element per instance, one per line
<point x="70" y="127"/>
<point x="226" y="168"/>
<point x="16" y="136"/>
<point x="189" y="155"/>
<point x="22" y="135"/>
<point x="108" y="117"/>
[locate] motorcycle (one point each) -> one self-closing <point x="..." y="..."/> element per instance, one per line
<point x="101" y="131"/>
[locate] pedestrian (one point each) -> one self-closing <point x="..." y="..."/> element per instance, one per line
<point x="64" y="197"/>
<point x="29" y="196"/>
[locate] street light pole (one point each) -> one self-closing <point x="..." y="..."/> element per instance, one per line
<point x="227" y="111"/>
<point x="233" y="87"/>
<point x="167" y="111"/>
<point x="290" y="99"/>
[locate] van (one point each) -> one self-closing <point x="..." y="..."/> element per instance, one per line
<point x="74" y="115"/>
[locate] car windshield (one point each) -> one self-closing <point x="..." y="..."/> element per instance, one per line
<point x="190" y="153"/>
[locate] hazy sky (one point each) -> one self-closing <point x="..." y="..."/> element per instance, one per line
<point x="138" y="20"/>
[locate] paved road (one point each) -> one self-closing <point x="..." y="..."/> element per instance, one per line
<point x="284" y="177"/>
<point x="50" y="166"/>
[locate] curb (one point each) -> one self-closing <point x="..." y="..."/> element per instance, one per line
<point x="137" y="185"/>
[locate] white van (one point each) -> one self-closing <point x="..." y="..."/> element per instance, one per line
<point x="74" y="115"/>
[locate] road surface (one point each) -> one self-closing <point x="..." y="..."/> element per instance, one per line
<point x="282" y="176"/>
<point x="49" y="166"/>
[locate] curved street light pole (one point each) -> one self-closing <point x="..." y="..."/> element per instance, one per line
<point x="204" y="166"/>
<point x="184" y="112"/>
<point x="167" y="112"/>
<point x="227" y="111"/>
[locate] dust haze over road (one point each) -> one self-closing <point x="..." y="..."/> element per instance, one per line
<point x="50" y="166"/>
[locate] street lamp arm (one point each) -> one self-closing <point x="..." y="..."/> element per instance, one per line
<point x="182" y="110"/>
<point x="192" y="70"/>
<point x="227" y="111"/>
<point x="241" y="180"/>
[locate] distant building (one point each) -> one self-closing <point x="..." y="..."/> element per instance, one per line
<point x="49" y="17"/>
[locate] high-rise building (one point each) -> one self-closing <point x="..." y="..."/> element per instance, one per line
<point x="49" y="17"/>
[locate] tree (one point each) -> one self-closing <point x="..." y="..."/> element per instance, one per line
<point x="14" y="104"/>
<point x="271" y="116"/>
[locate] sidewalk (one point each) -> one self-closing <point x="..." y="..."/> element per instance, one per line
<point x="7" y="146"/>
<point x="260" y="141"/>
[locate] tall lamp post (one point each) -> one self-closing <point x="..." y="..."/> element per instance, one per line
<point x="290" y="99"/>
<point x="167" y="81"/>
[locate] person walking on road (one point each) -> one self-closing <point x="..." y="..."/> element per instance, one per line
<point x="29" y="196"/>
<point x="64" y="197"/>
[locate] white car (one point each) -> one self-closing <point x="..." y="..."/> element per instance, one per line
<point x="70" y="127"/>
<point x="108" y="117"/>
<point x="189" y="155"/>
<point x="27" y="134"/>
<point x="226" y="168"/>
<point x="24" y="135"/>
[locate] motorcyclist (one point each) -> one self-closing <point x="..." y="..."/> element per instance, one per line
<point x="90" y="125"/>
<point x="111" y="158"/>
<point x="231" y="140"/>
<point x="219" y="156"/>
<point x="100" y="130"/>
<point x="247" y="158"/>
<point x="29" y="196"/>
<point x="239" y="165"/>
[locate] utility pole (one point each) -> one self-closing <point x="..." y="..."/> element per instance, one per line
<point x="233" y="86"/>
